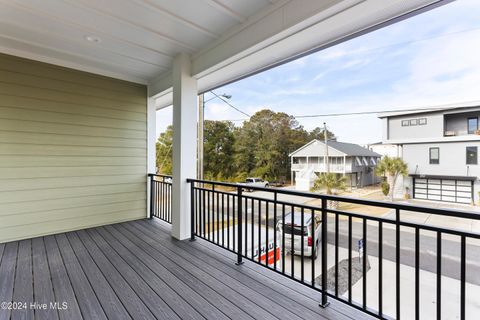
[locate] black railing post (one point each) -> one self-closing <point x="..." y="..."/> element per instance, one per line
<point x="192" y="211"/>
<point x="325" y="302"/>
<point x="239" y="226"/>
<point x="152" y="197"/>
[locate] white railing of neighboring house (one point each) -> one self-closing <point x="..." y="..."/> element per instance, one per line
<point x="318" y="167"/>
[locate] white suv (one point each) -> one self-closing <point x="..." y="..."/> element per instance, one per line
<point x="298" y="231"/>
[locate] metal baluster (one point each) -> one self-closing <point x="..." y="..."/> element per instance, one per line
<point x="314" y="245"/>
<point x="192" y="211"/>
<point x="349" y="259"/>
<point x="239" y="239"/>
<point x="417" y="273"/>
<point x="439" y="275"/>
<point x="275" y="230"/>
<point x="336" y="254"/>
<point x="364" y="265"/>
<point x="463" y="273"/>
<point x="380" y="268"/>
<point x="325" y="302"/>
<point x="302" y="245"/>
<point x="397" y="260"/>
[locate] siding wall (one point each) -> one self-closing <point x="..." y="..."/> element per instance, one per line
<point x="72" y="149"/>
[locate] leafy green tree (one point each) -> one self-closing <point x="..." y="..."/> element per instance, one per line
<point x="319" y="134"/>
<point x="164" y="151"/>
<point x="391" y="168"/>
<point x="218" y="149"/>
<point x="330" y="182"/>
<point x="264" y="142"/>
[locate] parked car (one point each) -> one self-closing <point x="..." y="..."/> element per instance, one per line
<point x="294" y="227"/>
<point x="255" y="182"/>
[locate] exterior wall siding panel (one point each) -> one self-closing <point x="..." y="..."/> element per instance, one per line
<point x="73" y="149"/>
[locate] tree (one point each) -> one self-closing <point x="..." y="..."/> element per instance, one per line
<point x="164" y="151"/>
<point x="263" y="143"/>
<point x="391" y="168"/>
<point x="218" y="149"/>
<point x="319" y="134"/>
<point x="332" y="183"/>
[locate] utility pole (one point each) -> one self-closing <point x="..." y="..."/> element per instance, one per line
<point x="201" y="119"/>
<point x="325" y="136"/>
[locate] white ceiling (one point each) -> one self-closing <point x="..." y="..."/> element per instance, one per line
<point x="139" y="38"/>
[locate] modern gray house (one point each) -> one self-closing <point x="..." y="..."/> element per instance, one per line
<point x="348" y="159"/>
<point x="440" y="146"/>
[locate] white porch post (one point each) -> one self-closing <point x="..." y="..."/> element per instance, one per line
<point x="184" y="143"/>
<point x="151" y="144"/>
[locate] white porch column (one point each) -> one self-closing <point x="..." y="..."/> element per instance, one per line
<point x="151" y="144"/>
<point x="184" y="143"/>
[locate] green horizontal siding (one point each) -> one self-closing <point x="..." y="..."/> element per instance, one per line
<point x="72" y="149"/>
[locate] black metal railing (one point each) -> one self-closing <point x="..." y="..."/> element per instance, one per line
<point x="161" y="197"/>
<point x="270" y="228"/>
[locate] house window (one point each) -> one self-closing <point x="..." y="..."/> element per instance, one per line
<point x="472" y="125"/>
<point x="405" y="123"/>
<point x="414" y="122"/>
<point x="472" y="155"/>
<point x="434" y="155"/>
<point x="422" y="121"/>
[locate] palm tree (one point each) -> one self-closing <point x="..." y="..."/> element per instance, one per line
<point x="392" y="168"/>
<point x="332" y="183"/>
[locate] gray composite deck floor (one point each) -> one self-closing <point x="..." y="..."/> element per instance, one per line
<point x="135" y="270"/>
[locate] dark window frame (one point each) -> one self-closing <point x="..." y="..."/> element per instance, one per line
<point x="476" y="155"/>
<point x="405" y="123"/>
<point x="420" y="121"/>
<point x="414" y="122"/>
<point x="468" y="125"/>
<point x="431" y="160"/>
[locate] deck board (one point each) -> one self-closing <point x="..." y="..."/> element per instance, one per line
<point x="7" y="277"/>
<point x="42" y="284"/>
<point x="23" y="286"/>
<point x="136" y="270"/>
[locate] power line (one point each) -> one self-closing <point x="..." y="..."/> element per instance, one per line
<point x="229" y="104"/>
<point x="354" y="113"/>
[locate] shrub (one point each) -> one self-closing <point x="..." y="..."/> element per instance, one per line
<point x="385" y="188"/>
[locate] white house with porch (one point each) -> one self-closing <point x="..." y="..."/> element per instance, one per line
<point x="354" y="162"/>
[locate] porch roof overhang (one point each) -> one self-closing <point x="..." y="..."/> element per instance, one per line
<point x="137" y="40"/>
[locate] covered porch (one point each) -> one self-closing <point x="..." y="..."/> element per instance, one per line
<point x="80" y="82"/>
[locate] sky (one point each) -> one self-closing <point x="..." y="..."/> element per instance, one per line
<point x="428" y="60"/>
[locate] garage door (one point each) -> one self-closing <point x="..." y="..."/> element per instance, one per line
<point x="459" y="191"/>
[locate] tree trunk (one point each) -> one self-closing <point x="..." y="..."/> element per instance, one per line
<point x="392" y="187"/>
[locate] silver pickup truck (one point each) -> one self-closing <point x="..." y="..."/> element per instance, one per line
<point x="255" y="182"/>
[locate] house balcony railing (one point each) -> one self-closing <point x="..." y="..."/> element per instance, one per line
<point x="161" y="199"/>
<point x="357" y="250"/>
<point x="337" y="168"/>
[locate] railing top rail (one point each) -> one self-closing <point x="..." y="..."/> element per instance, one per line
<point x="159" y="175"/>
<point x="375" y="203"/>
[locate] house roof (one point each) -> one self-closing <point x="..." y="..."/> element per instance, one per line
<point x="432" y="109"/>
<point x="348" y="149"/>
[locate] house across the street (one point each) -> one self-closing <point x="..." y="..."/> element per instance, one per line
<point x="440" y="146"/>
<point x="354" y="162"/>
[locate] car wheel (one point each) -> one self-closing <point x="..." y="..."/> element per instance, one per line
<point x="267" y="185"/>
